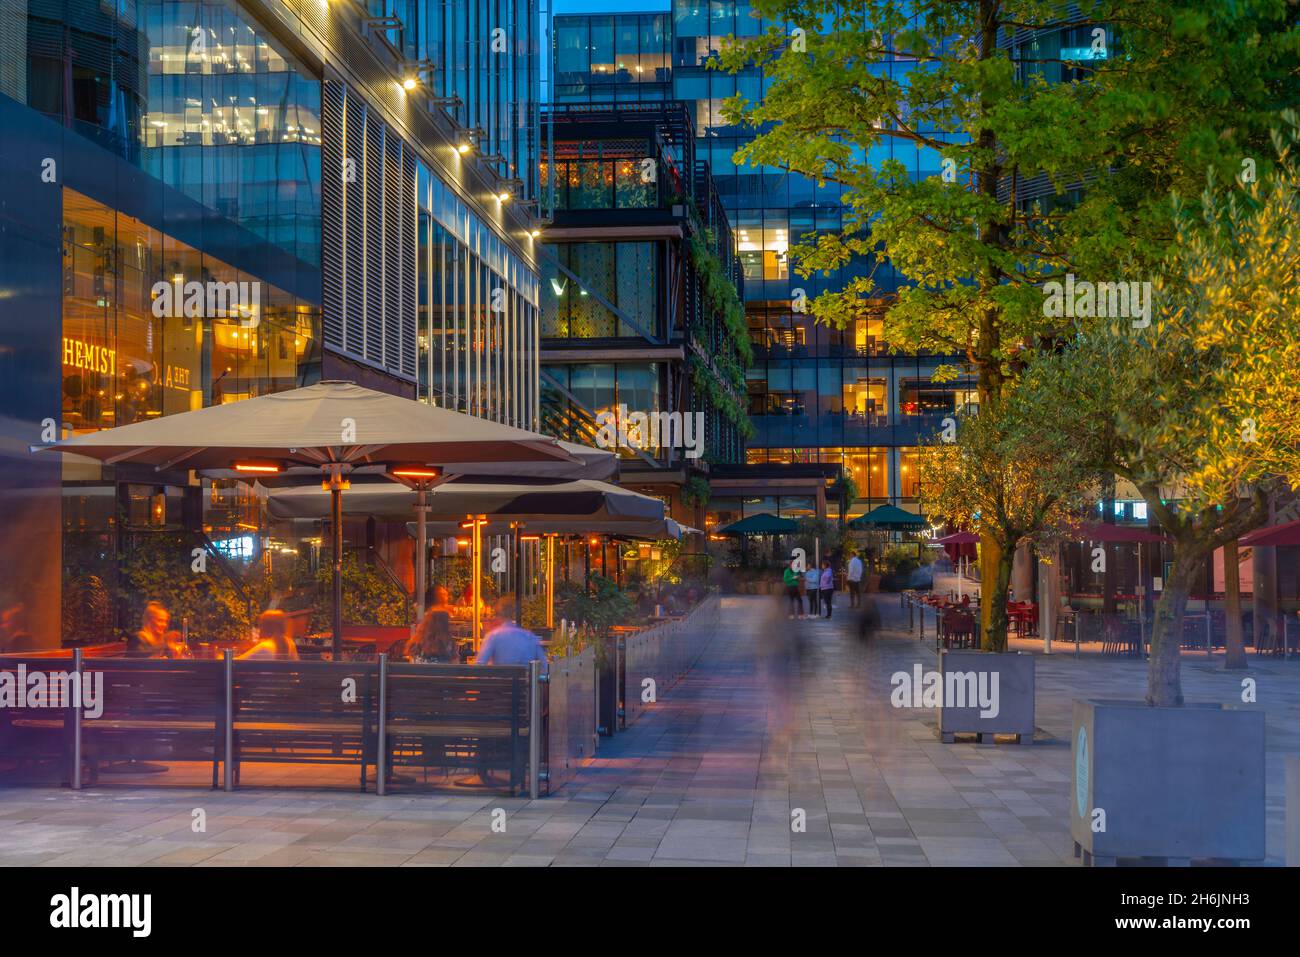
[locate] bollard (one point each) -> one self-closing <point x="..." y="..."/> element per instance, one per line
<point x="381" y="751"/>
<point x="1209" y="631"/>
<point x="76" y="722"/>
<point x="535" y="728"/>
<point x="229" y="776"/>
<point x="921" y="614"/>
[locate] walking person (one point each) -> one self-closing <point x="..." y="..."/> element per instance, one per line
<point x="826" y="586"/>
<point x="812" y="582"/>
<point x="794" y="601"/>
<point x="855" y="581"/>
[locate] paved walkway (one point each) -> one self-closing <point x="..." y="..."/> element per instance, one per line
<point x="710" y="775"/>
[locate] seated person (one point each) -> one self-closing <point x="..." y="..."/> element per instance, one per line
<point x="154" y="640"/>
<point x="507" y="643"/>
<point x="273" y="638"/>
<point x="433" y="641"/>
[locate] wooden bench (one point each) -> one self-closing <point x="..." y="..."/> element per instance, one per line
<point x="158" y="710"/>
<point x="304" y="712"/>
<point x="458" y="716"/>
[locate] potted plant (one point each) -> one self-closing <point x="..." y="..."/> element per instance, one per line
<point x="1197" y="410"/>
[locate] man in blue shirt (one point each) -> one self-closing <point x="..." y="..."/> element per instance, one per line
<point x="507" y="643"/>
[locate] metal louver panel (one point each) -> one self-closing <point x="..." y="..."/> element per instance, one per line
<point x="354" y="208"/>
<point x="369" y="235"/>
<point x="374" y="317"/>
<point x="392" y="315"/>
<point x="409" y="265"/>
<point x="332" y="220"/>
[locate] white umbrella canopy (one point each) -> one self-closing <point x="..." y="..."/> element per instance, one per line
<point x="599" y="464"/>
<point x="456" y="499"/>
<point x="333" y="426"/>
<point x="329" y="422"/>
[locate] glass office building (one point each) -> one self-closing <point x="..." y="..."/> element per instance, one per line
<point x="362" y="213"/>
<point x="816" y="395"/>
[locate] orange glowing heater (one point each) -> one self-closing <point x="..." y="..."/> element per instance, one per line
<point x="416" y="472"/>
<point x="259" y="468"/>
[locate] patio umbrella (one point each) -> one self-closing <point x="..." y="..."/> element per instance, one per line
<point x="599" y="464"/>
<point x="764" y="523"/>
<point x="333" y="427"/>
<point x="957" y="538"/>
<point x="494" y="508"/>
<point x="1286" y="534"/>
<point x="889" y="517"/>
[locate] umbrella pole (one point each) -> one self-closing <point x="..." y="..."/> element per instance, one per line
<point x="475" y="582"/>
<point x="519" y="575"/>
<point x="550" y="581"/>
<point x="336" y="530"/>
<point x="421" y="549"/>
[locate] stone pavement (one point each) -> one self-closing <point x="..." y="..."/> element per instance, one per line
<point x="777" y="716"/>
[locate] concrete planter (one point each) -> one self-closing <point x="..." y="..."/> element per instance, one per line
<point x="1181" y="784"/>
<point x="1008" y="673"/>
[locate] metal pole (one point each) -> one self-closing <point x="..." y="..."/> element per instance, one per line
<point x="1078" y="627"/>
<point x="534" y="728"/>
<point x="519" y="574"/>
<point x="550" y="581"/>
<point x="228" y="771"/>
<point x="421" y="548"/>
<point x="76" y="721"/>
<point x="336" y="521"/>
<point x="475" y="584"/>
<point x="1209" y="630"/>
<point x="381" y="752"/>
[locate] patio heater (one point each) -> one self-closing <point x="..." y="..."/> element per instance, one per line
<point x="421" y="478"/>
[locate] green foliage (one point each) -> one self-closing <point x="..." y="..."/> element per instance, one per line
<point x="369" y="596"/>
<point x="605" y="606"/>
<point x="1184" y="85"/>
<point x="1198" y="409"/>
<point x="157" y="567"/>
<point x="696" y="491"/>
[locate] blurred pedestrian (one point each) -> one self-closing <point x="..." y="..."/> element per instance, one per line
<point x="855" y="580"/>
<point x="273" y="642"/>
<point x="868" y="617"/>
<point x="812" y="584"/>
<point x="826" y="586"/>
<point x="794" y="602"/>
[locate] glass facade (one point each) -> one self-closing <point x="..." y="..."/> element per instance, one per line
<point x="478" y="313"/>
<point x="194" y="93"/>
<point x="122" y="363"/>
<point x="188" y="146"/>
<point x="815" y="394"/>
<point x="485" y="53"/>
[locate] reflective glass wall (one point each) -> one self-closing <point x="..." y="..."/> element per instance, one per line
<point x="478" y="316"/>
<point x="195" y="93"/>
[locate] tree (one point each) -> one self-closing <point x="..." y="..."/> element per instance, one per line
<point x="1005" y="479"/>
<point x="1167" y="88"/>
<point x="1198" y="409"/>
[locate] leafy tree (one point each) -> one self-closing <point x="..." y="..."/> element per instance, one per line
<point x="1007" y="479"/>
<point x="1168" y="89"/>
<point x="1198" y="410"/>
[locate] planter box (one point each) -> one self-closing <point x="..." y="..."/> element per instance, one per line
<point x="1008" y="673"/>
<point x="1175" y="783"/>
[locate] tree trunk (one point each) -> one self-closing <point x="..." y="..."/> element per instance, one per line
<point x="995" y="634"/>
<point x="1234" y="644"/>
<point x="1164" y="682"/>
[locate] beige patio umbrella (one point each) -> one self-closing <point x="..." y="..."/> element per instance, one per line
<point x="332" y="427"/>
<point x="542" y="506"/>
